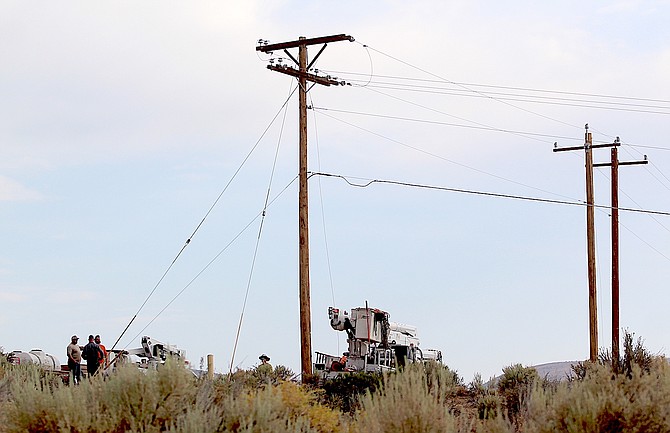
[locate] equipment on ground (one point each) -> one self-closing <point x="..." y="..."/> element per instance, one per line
<point x="151" y="354"/>
<point x="375" y="343"/>
<point x="35" y="356"/>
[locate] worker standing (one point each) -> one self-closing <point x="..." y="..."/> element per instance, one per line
<point x="92" y="354"/>
<point x="74" y="360"/>
<point x="265" y="368"/>
<point x="104" y="360"/>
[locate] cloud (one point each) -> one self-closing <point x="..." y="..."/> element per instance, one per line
<point x="624" y="6"/>
<point x="11" y="190"/>
<point x="66" y="296"/>
<point x="12" y="297"/>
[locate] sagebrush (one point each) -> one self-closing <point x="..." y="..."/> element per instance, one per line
<point x="420" y="398"/>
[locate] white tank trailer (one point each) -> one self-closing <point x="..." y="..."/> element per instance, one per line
<point x="35" y="356"/>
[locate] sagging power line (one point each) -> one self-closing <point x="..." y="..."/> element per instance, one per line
<point x="369" y="182"/>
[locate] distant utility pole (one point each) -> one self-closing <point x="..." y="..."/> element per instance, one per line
<point x="303" y="76"/>
<point x="590" y="238"/>
<point x="614" y="164"/>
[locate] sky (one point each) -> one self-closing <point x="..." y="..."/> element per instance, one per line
<point x="129" y="127"/>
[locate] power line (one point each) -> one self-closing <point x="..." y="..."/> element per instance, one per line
<point x="642" y="146"/>
<point x="214" y="259"/>
<point x="323" y="213"/>
<point x="258" y="238"/>
<point x="442" y="157"/>
<point x="608" y="104"/>
<point x="481" y="193"/>
<point x="202" y="221"/>
<point x="457" y="125"/>
<point x="475" y="91"/>
<point x="602" y="105"/>
<point x="478" y="126"/>
<point x="462" y="92"/>
<point x="468" y="87"/>
<point x="526" y="89"/>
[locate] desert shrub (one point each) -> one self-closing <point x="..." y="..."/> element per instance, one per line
<point x="632" y="355"/>
<point x="488" y="406"/>
<point x="285" y="407"/>
<point x="477" y="386"/>
<point x="282" y="408"/>
<point x="279" y="374"/>
<point x="235" y="384"/>
<point x="412" y="400"/>
<point x="4" y="362"/>
<point x="602" y="402"/>
<point x="241" y="381"/>
<point x="32" y="407"/>
<point x="127" y="400"/>
<point x="344" y="391"/>
<point x="440" y="376"/>
<point x="239" y="403"/>
<point x="484" y="398"/>
<point x="301" y="400"/>
<point x="514" y="387"/>
<point x="4" y="384"/>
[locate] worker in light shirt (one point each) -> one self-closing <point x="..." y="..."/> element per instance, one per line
<point x="74" y="360"/>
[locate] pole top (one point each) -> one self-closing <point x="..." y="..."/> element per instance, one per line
<point x="304" y="41"/>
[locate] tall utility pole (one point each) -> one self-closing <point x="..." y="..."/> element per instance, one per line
<point x="303" y="76"/>
<point x="591" y="241"/>
<point x="614" y="164"/>
<point x="590" y="238"/>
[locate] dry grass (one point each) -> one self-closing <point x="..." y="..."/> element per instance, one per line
<point x="605" y="402"/>
<point x="411" y="402"/>
<point x="168" y="399"/>
<point x="422" y="398"/>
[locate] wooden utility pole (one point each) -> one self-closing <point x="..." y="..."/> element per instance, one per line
<point x="590" y="239"/>
<point x="614" y="158"/>
<point x="303" y="76"/>
<point x="614" y="164"/>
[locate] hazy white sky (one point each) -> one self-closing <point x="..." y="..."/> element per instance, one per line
<point x="122" y="122"/>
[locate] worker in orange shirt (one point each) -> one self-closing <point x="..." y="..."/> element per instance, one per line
<point x="104" y="360"/>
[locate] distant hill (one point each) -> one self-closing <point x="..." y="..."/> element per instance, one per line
<point x="555" y="370"/>
<point x="551" y="371"/>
